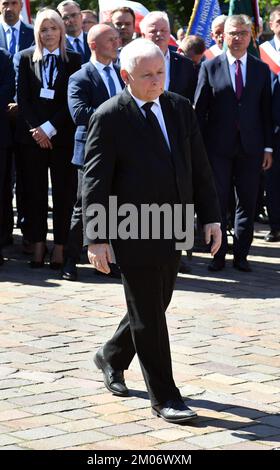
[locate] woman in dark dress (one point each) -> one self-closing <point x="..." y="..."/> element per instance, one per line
<point x="47" y="136"/>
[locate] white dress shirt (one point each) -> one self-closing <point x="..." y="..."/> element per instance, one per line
<point x="47" y="127"/>
<point x="8" y="33"/>
<point x="167" y="70"/>
<point x="71" y="39"/>
<point x="100" y="69"/>
<point x="277" y="44"/>
<point x="156" y="109"/>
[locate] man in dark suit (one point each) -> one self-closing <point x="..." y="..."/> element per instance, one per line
<point x="180" y="73"/>
<point x="144" y="147"/>
<point x="269" y="51"/>
<point x="7" y="90"/>
<point x="14" y="36"/>
<point x="76" y="39"/>
<point x="234" y="110"/>
<point x="88" y="88"/>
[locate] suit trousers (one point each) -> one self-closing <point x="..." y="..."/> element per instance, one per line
<point x="36" y="162"/>
<point x="148" y="292"/>
<point x="75" y="238"/>
<point x="3" y="173"/>
<point x="272" y="177"/>
<point x="242" y="172"/>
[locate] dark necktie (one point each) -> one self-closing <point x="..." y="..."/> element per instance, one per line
<point x="111" y="83"/>
<point x="155" y="126"/>
<point x="238" y="79"/>
<point x="79" y="48"/>
<point x="13" y="43"/>
<point x="50" y="61"/>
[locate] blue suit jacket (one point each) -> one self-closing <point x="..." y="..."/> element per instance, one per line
<point x="219" y="111"/>
<point x="7" y="90"/>
<point x="26" y="36"/>
<point x="86" y="91"/>
<point x="87" y="52"/>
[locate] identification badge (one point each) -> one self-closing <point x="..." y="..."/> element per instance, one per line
<point x="47" y="93"/>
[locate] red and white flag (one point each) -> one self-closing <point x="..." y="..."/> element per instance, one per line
<point x="26" y="12"/>
<point x="106" y="6"/>
<point x="270" y="56"/>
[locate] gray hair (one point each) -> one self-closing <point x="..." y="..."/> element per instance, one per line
<point x="67" y="2"/>
<point x="238" y="19"/>
<point x="153" y="16"/>
<point x="136" y="50"/>
<point x="221" y="19"/>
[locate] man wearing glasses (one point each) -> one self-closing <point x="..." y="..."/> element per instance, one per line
<point x="76" y="39"/>
<point x="233" y="105"/>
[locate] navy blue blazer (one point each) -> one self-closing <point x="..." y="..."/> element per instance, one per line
<point x="182" y="76"/>
<point x="26" y="36"/>
<point x="86" y="91"/>
<point x="219" y="111"/>
<point x="7" y="90"/>
<point x="87" y="53"/>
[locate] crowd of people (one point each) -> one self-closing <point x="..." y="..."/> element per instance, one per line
<point x="54" y="76"/>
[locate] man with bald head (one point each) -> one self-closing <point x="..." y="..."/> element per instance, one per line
<point x="94" y="83"/>
<point x="180" y="74"/>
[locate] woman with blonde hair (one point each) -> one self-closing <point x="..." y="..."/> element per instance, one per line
<point x="47" y="136"/>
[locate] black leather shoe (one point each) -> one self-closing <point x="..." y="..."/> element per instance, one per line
<point x="242" y="265"/>
<point x="272" y="236"/>
<point x="217" y="264"/>
<point x="113" y="379"/>
<point x="174" y="411"/>
<point x="184" y="267"/>
<point x="69" y="271"/>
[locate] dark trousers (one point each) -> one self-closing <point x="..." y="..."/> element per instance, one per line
<point x="148" y="292"/>
<point x="75" y="238"/>
<point x="272" y="178"/>
<point x="243" y="172"/>
<point x="3" y="182"/>
<point x="36" y="162"/>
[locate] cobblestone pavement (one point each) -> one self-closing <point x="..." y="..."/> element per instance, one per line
<point x="224" y="332"/>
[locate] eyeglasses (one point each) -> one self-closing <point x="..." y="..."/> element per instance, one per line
<point x="241" y="34"/>
<point x="70" y="16"/>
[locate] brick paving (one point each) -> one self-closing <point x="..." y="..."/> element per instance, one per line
<point x="224" y="331"/>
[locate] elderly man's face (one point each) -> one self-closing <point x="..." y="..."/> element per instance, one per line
<point x="158" y="31"/>
<point x="146" y="81"/>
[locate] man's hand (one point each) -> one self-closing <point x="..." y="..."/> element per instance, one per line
<point x="214" y="231"/>
<point x="267" y="161"/>
<point x="99" y="256"/>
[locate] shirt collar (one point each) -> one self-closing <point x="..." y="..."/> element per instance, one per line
<point x="167" y="55"/>
<point x="46" y="52"/>
<point x="141" y="103"/>
<point x="232" y="59"/>
<point x="101" y="66"/>
<point x="7" y="27"/>
<point x="277" y="42"/>
<point x="72" y="38"/>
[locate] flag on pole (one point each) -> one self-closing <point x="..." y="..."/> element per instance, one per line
<point x="204" y="12"/>
<point x="106" y="6"/>
<point x="26" y="12"/>
<point x="251" y="9"/>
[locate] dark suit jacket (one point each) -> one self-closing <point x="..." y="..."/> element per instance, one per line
<point x="87" y="52"/>
<point x="7" y="90"/>
<point x="182" y="76"/>
<point x="122" y="160"/>
<point x="35" y="110"/>
<point x="86" y="91"/>
<point x="26" y="36"/>
<point x="219" y="111"/>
